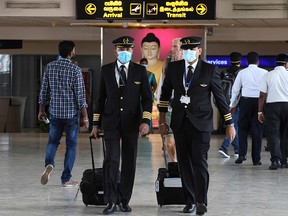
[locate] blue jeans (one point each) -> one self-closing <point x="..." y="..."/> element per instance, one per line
<point x="57" y="126"/>
<point x="235" y="143"/>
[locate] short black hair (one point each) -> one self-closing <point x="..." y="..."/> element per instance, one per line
<point x="65" y="48"/>
<point x="235" y="58"/>
<point x="252" y="58"/>
<point x="143" y="59"/>
<point x="282" y="59"/>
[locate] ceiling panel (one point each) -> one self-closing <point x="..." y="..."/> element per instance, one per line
<point x="66" y="21"/>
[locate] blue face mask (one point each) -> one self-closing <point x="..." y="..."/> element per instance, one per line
<point x="124" y="56"/>
<point x="189" y="55"/>
<point x="145" y="65"/>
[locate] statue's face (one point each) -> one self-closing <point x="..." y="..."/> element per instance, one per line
<point x="150" y="50"/>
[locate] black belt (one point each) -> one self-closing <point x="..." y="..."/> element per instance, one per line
<point x="249" y="98"/>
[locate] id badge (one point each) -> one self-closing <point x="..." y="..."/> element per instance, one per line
<point x="185" y="99"/>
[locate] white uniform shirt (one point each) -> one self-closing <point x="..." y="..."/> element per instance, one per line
<point x="275" y="84"/>
<point x="247" y="82"/>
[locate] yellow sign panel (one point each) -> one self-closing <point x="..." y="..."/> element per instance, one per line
<point x="146" y="9"/>
<point x="201" y="9"/>
<point x="90" y="8"/>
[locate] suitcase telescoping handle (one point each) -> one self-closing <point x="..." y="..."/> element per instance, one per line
<point x="92" y="156"/>
<point x="164" y="151"/>
<point x="91" y="148"/>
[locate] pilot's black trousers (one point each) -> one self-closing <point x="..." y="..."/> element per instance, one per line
<point x="114" y="192"/>
<point x="192" y="150"/>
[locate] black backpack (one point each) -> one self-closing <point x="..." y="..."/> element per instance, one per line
<point x="227" y="80"/>
<point x="228" y="77"/>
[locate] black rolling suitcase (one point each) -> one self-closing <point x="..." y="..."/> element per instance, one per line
<point x="91" y="185"/>
<point x="168" y="185"/>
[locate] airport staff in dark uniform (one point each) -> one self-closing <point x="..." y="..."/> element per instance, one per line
<point x="193" y="81"/>
<point x="123" y="112"/>
<point x="274" y="93"/>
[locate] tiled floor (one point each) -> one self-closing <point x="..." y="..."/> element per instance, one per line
<point x="235" y="190"/>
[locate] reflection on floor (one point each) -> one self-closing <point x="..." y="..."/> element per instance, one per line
<point x="235" y="190"/>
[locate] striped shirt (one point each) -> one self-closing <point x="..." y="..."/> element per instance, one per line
<point x="64" y="81"/>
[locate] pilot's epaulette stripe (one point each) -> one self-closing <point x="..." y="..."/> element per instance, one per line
<point x="96" y="117"/>
<point x="227" y="117"/>
<point x="147" y="115"/>
<point x="163" y="103"/>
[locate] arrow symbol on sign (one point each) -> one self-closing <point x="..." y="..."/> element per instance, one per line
<point x="90" y="9"/>
<point x="201" y="9"/>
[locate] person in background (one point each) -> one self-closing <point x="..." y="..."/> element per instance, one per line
<point x="151" y="80"/>
<point x="230" y="74"/>
<point x="64" y="83"/>
<point x="247" y="84"/>
<point x="193" y="81"/>
<point x="175" y="54"/>
<point x="274" y="96"/>
<point x="123" y="111"/>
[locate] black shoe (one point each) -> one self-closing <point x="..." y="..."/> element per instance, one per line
<point x="110" y="209"/>
<point x="201" y="209"/>
<point x="124" y="207"/>
<point x="275" y="165"/>
<point x="189" y="208"/>
<point x="240" y="159"/>
<point x="257" y="163"/>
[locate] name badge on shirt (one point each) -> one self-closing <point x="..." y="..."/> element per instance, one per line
<point x="185" y="99"/>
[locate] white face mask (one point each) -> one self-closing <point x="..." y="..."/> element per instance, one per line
<point x="189" y="55"/>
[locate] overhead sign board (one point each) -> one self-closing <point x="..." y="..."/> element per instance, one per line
<point x="224" y="61"/>
<point x="147" y="10"/>
<point x="175" y="10"/>
<point x="110" y="10"/>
